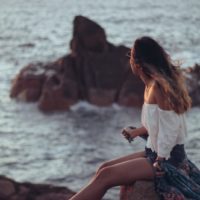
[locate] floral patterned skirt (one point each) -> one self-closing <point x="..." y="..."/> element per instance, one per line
<point x="181" y="179"/>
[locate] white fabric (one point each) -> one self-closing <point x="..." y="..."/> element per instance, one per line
<point x="166" y="128"/>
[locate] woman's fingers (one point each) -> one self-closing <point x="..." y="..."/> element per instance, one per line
<point x="159" y="171"/>
<point x="127" y="135"/>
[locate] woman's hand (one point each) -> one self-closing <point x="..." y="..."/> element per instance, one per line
<point x="129" y="133"/>
<point x="158" y="169"/>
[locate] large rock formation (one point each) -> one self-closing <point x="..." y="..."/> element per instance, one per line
<point x="12" y="190"/>
<point x="141" y="190"/>
<point x="95" y="71"/>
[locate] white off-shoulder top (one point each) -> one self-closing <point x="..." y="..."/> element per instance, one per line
<point x="166" y="128"/>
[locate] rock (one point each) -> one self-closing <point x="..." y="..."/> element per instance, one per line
<point x="27" y="86"/>
<point x="53" y="196"/>
<point x="58" y="94"/>
<point x="193" y="81"/>
<point x="131" y="92"/>
<point x="101" y="97"/>
<point x="12" y="190"/>
<point x="6" y="188"/>
<point x="88" y="35"/>
<point x="103" y="76"/>
<point x="141" y="190"/>
<point x="95" y="71"/>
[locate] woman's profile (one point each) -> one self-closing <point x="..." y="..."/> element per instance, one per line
<point x="163" y="160"/>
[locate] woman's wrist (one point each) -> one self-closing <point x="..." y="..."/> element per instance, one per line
<point x="141" y="131"/>
<point x="160" y="158"/>
<point x="135" y="133"/>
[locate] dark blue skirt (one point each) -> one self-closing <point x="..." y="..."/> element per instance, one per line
<point x="181" y="179"/>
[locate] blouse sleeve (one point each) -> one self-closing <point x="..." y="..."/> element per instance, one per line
<point x="168" y="130"/>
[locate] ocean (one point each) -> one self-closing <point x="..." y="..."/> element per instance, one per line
<point x="66" y="148"/>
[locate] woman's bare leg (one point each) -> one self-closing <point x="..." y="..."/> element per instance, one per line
<point x="119" y="174"/>
<point x="140" y="154"/>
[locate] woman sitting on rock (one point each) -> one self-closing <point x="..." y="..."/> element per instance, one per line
<point x="164" y="160"/>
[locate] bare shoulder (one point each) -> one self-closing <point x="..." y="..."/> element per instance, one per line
<point x="160" y="97"/>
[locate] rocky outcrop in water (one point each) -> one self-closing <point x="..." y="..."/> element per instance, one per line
<point x="95" y="71"/>
<point x="141" y="190"/>
<point x="12" y="190"/>
<point x="193" y="81"/>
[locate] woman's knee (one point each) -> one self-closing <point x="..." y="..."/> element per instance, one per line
<point x="102" y="166"/>
<point x="103" y="177"/>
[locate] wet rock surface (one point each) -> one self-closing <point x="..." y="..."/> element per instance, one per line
<point x="141" y="190"/>
<point x="12" y="190"/>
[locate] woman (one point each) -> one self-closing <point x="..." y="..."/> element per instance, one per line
<point x="163" y="116"/>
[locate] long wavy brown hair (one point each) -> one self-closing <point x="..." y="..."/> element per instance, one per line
<point x="157" y="64"/>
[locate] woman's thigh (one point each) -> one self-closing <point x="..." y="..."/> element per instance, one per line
<point x="127" y="172"/>
<point x="140" y="154"/>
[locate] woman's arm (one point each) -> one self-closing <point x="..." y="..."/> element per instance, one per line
<point x="168" y="125"/>
<point x="139" y="131"/>
<point x="129" y="132"/>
